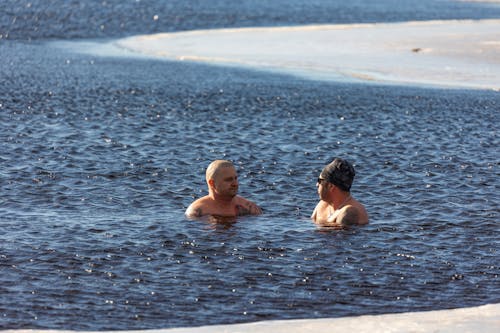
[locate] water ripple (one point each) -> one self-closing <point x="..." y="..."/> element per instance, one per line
<point x="100" y="160"/>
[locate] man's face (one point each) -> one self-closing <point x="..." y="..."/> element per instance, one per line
<point x="323" y="187"/>
<point x="226" y="182"/>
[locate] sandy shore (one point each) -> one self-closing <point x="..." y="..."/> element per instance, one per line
<point x="457" y="54"/>
<point x="481" y="319"/>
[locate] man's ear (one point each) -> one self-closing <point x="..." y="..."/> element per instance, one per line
<point x="211" y="183"/>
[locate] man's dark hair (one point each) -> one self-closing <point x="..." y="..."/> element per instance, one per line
<point x="340" y="173"/>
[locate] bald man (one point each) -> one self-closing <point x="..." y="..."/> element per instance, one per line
<point x="222" y="199"/>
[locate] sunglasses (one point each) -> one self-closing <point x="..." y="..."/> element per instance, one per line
<point x="321" y="180"/>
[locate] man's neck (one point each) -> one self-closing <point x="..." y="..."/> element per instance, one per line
<point x="341" y="200"/>
<point x="222" y="200"/>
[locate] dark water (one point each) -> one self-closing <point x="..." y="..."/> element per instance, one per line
<point x="39" y="19"/>
<point x="100" y="157"/>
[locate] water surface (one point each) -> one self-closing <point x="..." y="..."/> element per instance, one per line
<point x="100" y="157"/>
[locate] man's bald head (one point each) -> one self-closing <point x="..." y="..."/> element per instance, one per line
<point x="214" y="168"/>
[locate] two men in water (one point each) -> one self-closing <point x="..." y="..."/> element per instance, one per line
<point x="336" y="206"/>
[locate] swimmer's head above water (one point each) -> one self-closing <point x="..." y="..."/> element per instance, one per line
<point x="337" y="207"/>
<point x="340" y="173"/>
<point x="222" y="198"/>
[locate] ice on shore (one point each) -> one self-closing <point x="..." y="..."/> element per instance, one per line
<point x="458" y="53"/>
<point x="453" y="53"/>
<point x="480" y="319"/>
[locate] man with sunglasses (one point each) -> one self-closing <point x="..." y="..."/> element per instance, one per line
<point x="337" y="207"/>
<point x="222" y="199"/>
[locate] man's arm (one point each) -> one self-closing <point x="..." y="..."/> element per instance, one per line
<point x="247" y="207"/>
<point x="319" y="211"/>
<point x="348" y="216"/>
<point x="315" y="213"/>
<point x="194" y="210"/>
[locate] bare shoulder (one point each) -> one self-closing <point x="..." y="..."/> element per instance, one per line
<point x="247" y="207"/>
<point x="198" y="208"/>
<point x="322" y="205"/>
<point x="318" y="214"/>
<point x="362" y="213"/>
<point x="352" y="215"/>
<point x="349" y="215"/>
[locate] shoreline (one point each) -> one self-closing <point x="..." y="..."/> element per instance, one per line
<point x="449" y="54"/>
<point x="479" y="319"/>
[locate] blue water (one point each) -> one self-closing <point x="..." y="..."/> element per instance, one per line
<point x="100" y="157"/>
